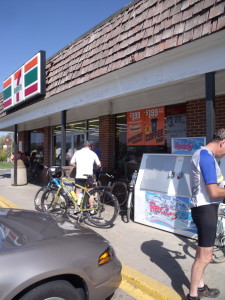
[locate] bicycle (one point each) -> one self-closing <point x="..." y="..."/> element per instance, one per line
<point x="219" y="248"/>
<point x="130" y="200"/>
<point x="116" y="187"/>
<point x="33" y="171"/>
<point x="62" y="201"/>
<point x="53" y="172"/>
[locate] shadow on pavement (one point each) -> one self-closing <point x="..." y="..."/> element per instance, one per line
<point x="166" y="259"/>
<point x="189" y="246"/>
<point x="5" y="175"/>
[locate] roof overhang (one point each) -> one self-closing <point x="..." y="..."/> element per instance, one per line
<point x="174" y="76"/>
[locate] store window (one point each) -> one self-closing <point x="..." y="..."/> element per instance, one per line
<point x="93" y="131"/>
<point x="128" y="157"/>
<point x="76" y="134"/>
<point x="144" y="123"/>
<point x="36" y="145"/>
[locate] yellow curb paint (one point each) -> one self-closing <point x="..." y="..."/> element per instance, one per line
<point x="147" y="285"/>
<point x="6" y="203"/>
<point x="134" y="292"/>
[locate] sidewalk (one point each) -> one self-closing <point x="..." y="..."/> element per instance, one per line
<point x="155" y="261"/>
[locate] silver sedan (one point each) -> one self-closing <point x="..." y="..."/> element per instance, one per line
<point x="43" y="258"/>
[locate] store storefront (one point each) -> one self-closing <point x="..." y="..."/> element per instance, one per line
<point x="76" y="134"/>
<point x="145" y="75"/>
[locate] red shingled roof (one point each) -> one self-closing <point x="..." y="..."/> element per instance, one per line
<point x="142" y="29"/>
<point x="138" y="31"/>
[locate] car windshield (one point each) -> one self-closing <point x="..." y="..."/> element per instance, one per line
<point x="19" y="228"/>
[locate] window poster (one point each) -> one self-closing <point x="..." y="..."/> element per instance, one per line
<point x="175" y="127"/>
<point x="146" y="127"/>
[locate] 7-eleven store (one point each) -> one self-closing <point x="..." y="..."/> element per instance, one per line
<point x="125" y="85"/>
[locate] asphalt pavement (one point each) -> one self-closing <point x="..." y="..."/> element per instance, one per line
<point x="156" y="263"/>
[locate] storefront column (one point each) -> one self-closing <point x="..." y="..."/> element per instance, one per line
<point x="63" y="138"/>
<point x="23" y="138"/>
<point x="107" y="141"/>
<point x="15" y="155"/>
<point x="47" y="146"/>
<point x="210" y="105"/>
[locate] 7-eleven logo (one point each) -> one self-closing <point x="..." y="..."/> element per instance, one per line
<point x="18" y="86"/>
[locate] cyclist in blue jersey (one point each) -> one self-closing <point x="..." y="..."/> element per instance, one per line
<point x="207" y="185"/>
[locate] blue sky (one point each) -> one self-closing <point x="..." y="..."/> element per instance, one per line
<point x="27" y="26"/>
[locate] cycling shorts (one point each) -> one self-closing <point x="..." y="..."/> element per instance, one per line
<point x="81" y="181"/>
<point x="205" y="219"/>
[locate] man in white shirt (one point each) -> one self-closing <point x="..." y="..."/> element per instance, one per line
<point x="84" y="160"/>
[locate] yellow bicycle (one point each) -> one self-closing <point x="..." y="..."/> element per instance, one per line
<point x="61" y="200"/>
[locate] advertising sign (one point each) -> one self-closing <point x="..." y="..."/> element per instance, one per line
<point x="175" y="127"/>
<point x="146" y="127"/>
<point x="187" y="145"/>
<point x="27" y="82"/>
<point x="170" y="212"/>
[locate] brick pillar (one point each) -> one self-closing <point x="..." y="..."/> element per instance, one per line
<point x="47" y="146"/>
<point x="196" y="118"/>
<point x="23" y="137"/>
<point x="220" y="111"/>
<point x="107" y="141"/>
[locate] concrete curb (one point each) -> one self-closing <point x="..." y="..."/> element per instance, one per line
<point x="149" y="286"/>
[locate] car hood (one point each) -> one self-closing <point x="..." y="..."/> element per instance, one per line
<point x="19" y="228"/>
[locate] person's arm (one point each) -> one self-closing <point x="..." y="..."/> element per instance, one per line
<point x="97" y="162"/>
<point x="99" y="166"/>
<point x="208" y="170"/>
<point x="73" y="161"/>
<point x="215" y="191"/>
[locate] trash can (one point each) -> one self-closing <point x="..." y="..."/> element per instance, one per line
<point x="21" y="173"/>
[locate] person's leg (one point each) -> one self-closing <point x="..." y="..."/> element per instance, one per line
<point x="78" y="190"/>
<point x="205" y="218"/>
<point x="202" y="259"/>
<point x="81" y="182"/>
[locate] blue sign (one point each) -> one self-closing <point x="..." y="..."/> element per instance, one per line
<point x="187" y="145"/>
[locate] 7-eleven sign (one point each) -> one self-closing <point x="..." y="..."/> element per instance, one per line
<point x="26" y="83"/>
<point x="18" y="86"/>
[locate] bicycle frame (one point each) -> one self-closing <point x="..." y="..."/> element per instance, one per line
<point x="62" y="183"/>
<point x="130" y="201"/>
<point x="98" y="205"/>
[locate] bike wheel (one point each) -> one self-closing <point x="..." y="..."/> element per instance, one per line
<point x="106" y="207"/>
<point x="119" y="189"/>
<point x="54" y="203"/>
<point x="218" y="254"/>
<point x="37" y="198"/>
<point x="130" y="207"/>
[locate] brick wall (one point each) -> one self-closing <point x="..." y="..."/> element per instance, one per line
<point x="107" y="141"/>
<point x="23" y="137"/>
<point x="196" y="116"/>
<point x="47" y="146"/>
<point x="220" y="111"/>
<point x="196" y="120"/>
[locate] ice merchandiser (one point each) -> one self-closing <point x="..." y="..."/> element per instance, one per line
<point x="162" y="193"/>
